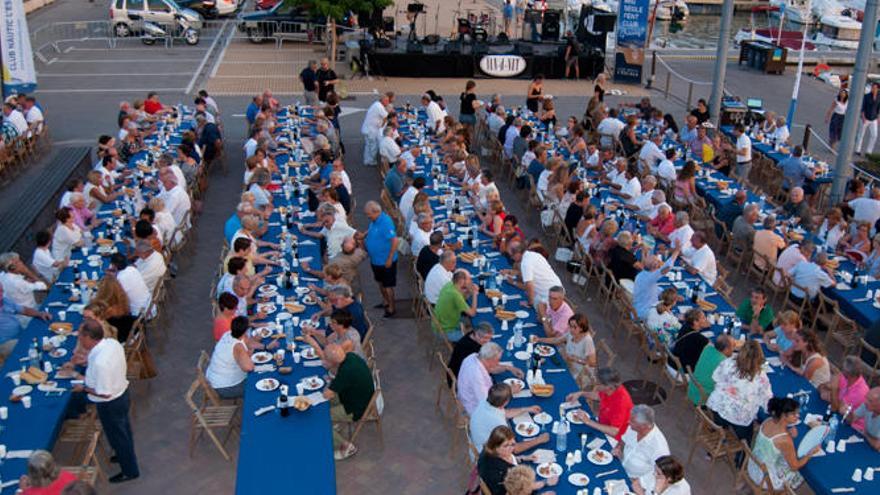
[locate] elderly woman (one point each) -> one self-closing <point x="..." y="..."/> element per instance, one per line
<point x="259" y="182"/>
<point x="44" y="477"/>
<point x="231" y="360"/>
<point x="768" y="127"/>
<point x="808" y="359"/>
<point x="857" y="245"/>
<point x="520" y="480"/>
<point x="741" y="389"/>
<point x="67" y="234"/>
<point x="615" y="403"/>
<point x="95" y="193"/>
<point x="497" y="459"/>
<point x="872" y="262"/>
<point x="83" y="217"/>
<point x="668" y="479"/>
<point x="847" y="389"/>
<point x="164" y="221"/>
<point x="774" y="446"/>
<point x="833" y="228"/>
<point x="622" y="262"/>
<point x="661" y="320"/>
<point x="605" y="240"/>
<point x="341" y="333"/>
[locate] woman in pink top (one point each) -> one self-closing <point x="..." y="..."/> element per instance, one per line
<point x="685" y="184"/>
<point x="847" y="389"/>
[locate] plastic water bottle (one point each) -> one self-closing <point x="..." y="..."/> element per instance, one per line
<point x="34" y="354"/>
<point x="737" y="331"/>
<point x="833" y="423"/>
<point x="562" y="435"/>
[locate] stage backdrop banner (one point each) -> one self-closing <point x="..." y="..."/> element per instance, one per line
<point x="19" y="75"/>
<point x="632" y="34"/>
<point x="502" y="65"/>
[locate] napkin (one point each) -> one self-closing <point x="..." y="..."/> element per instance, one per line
<point x="555" y="370"/>
<point x="493" y="254"/>
<point x="544" y="455"/>
<point x="596" y="443"/>
<point x="848" y="489"/>
<point x="7" y="484"/>
<point x="314" y="363"/>
<point x="529" y="325"/>
<point x="263" y="410"/>
<point x="523" y="417"/>
<point x="307" y="259"/>
<point x="307" y="242"/>
<point x="513" y="297"/>
<point x="76" y="308"/>
<point x="813" y="418"/>
<point x="484" y="310"/>
<point x="263" y="368"/>
<point x="316" y="398"/>
<point x="523" y="394"/>
<point x="774" y="361"/>
<point x="19" y="454"/>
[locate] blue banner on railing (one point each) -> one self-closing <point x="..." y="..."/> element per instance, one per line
<point x="632" y="34"/>
<point x="19" y="75"/>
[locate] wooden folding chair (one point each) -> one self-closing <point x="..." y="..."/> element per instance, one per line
<point x="371" y="413"/>
<point x="717" y="441"/>
<point x="90" y="469"/>
<point x="79" y="432"/>
<point x="871" y="371"/>
<point x="762" y="487"/>
<point x="206" y="417"/>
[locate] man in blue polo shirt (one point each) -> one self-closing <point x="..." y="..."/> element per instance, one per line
<point x="253" y="109"/>
<point x="381" y="243"/>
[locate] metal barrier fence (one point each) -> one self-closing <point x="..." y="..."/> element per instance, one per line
<point x="674" y="85"/>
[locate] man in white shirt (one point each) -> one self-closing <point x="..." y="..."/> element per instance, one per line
<point x="406" y="200"/>
<point x="651" y="153"/>
<point x="632" y="188"/>
<point x="474" y="380"/>
<point x="132" y="283"/>
<point x="700" y="258"/>
<point x="176" y="199"/>
<point x="781" y="134"/>
<point x="439" y="275"/>
<point x="617" y="178"/>
<point x="32" y="113"/>
<point x="16" y="118"/>
<point x="790" y="257"/>
<point x="485" y="187"/>
<point x="743" y="152"/>
<point x="640" y="446"/>
<point x="372" y="125"/>
<point x="536" y="273"/>
<point x="681" y="236"/>
<point x="388" y="148"/>
<point x="47" y="266"/>
<point x="666" y="168"/>
<point x="106" y="386"/>
<point x="150" y="263"/>
<point x="420" y="233"/>
<point x="339" y="167"/>
<point x="493" y="412"/>
<point x="510" y="136"/>
<point x="496" y="120"/>
<point x="409" y="156"/>
<point x="644" y="202"/>
<point x="592" y="156"/>
<point x="250" y="146"/>
<point x="866" y="209"/>
<point x="435" y="115"/>
<point x="811" y="276"/>
<point x="335" y="231"/>
<point x="609" y="128"/>
<point x="19" y="283"/>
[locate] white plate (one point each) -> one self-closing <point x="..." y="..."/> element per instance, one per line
<point x="522" y="314"/>
<point x="94" y="264"/>
<point x="309" y="300"/>
<point x="94" y="257"/>
<point x="309" y="353"/>
<point x="267" y="384"/>
<point x="261" y="357"/>
<point x="572" y="418"/>
<point x="578" y="479"/>
<point x="266" y="308"/>
<point x="543" y="418"/>
<point x="57" y="353"/>
<point x="523" y="355"/>
<point x="302" y="290"/>
<point x="268" y="288"/>
<point x="22" y="390"/>
<point x="47" y="386"/>
<point x="527" y="429"/>
<point x="605" y="460"/>
<point x="283" y="316"/>
<point x="812" y="439"/>
<point x="312" y="383"/>
<point x="263" y="332"/>
<point x="544" y="350"/>
<point x="515" y="381"/>
<point x="548" y="470"/>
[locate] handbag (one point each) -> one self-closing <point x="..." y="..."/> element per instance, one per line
<point x="547" y="218"/>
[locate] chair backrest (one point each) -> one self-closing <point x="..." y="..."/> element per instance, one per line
<point x="207" y="390"/>
<point x="450" y="376"/>
<point x="762" y="486"/>
<point x="610" y="356"/>
<point x="696" y="383"/>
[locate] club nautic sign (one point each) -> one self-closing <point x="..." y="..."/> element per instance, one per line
<point x="502" y="65"/>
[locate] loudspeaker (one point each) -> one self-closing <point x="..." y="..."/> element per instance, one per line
<point x="414" y="47"/>
<point x="415" y="8"/>
<point x="388" y="24"/>
<point x="524" y="49"/>
<point x="604" y="22"/>
<point x="532" y="15"/>
<point x="550" y="25"/>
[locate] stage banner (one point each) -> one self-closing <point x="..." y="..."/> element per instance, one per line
<point x="632" y="34"/>
<point x="19" y="75"/>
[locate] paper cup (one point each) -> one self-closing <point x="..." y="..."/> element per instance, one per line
<point x="869" y="474"/>
<point x="299" y="388"/>
<point x="4" y="413"/>
<point x="16" y="380"/>
<point x="857" y="475"/>
<point x="26" y="401"/>
<point x="2" y="452"/>
<point x="296" y="357"/>
<point x="62" y="315"/>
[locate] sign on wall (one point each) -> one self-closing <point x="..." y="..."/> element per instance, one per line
<point x="502" y="65"/>
<point x="632" y="34"/>
<point x="19" y="75"/>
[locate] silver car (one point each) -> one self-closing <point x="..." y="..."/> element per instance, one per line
<point x="128" y="15"/>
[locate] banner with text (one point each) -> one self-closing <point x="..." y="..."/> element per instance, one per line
<point x="19" y="75"/>
<point x="632" y="34"/>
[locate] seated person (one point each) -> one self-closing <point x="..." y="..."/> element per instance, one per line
<point x="615" y="403"/>
<point x="231" y="360"/>
<point x="754" y="312"/>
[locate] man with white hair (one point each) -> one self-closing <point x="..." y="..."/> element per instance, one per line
<point x="440" y="275"/>
<point x="644" y="201"/>
<point x="409" y="156"/>
<point x="496" y="120"/>
<point x="866" y="209"/>
<point x="176" y="199"/>
<point x="339" y="168"/>
<point x="646" y="286"/>
<point x="406" y="200"/>
<point x="374" y="120"/>
<point x="681" y="236"/>
<point x="150" y="263"/>
<point x="474" y="380"/>
<point x="700" y="258"/>
<point x="640" y="446"/>
<point x="388" y="148"/>
<point x="420" y="232"/>
<point x="651" y="154"/>
<point x="333" y="230"/>
<point x="19" y="283"/>
<point x="435" y="114"/>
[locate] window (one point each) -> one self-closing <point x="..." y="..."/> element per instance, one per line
<point x="158" y="6"/>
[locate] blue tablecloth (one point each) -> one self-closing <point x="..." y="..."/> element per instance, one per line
<point x="299" y="447"/>
<point x="37" y="427"/>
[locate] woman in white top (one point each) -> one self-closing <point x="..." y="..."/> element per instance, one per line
<point x="586" y="228"/>
<point x="164" y="221"/>
<point x="231" y="361"/>
<point x="808" y="359"/>
<point x="741" y="389"/>
<point x="833" y="228"/>
<point x="835" y="115"/>
<point x="774" y="446"/>
<point x="47" y="266"/>
<point x="342" y="334"/>
<point x="67" y="235"/>
<point x="669" y="475"/>
<point x="579" y="350"/>
<point x="661" y="320"/>
<point x="95" y="192"/>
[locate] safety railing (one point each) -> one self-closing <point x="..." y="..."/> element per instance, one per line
<point x="674" y="85"/>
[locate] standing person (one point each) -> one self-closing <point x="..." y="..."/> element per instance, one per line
<point x="327" y="80"/>
<point x="507" y="13"/>
<point x="572" y="54"/>
<point x="381" y="242"/>
<point x="374" y="120"/>
<point x="870" y="109"/>
<point x="467" y="112"/>
<point x="744" y="152"/>
<point x="835" y="115"/>
<point x="535" y="94"/>
<point x="106" y="385"/>
<point x="309" y="79"/>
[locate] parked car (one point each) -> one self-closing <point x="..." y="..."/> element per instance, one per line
<point x="262" y="25"/>
<point x="128" y="16"/>
<point x="266" y="4"/>
<point x="210" y="9"/>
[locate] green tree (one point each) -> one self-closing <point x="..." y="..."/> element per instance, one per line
<point x="336" y="10"/>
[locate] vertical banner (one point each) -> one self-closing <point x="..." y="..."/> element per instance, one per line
<point x="632" y="33"/>
<point x="19" y="75"/>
